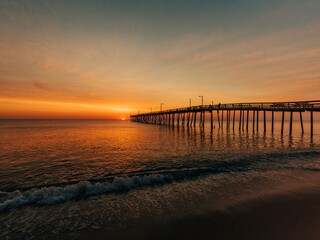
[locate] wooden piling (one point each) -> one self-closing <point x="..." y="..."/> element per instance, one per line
<point x="173" y="120"/>
<point x="233" y="119"/>
<point x="291" y="116"/>
<point x="282" y="122"/>
<point x="257" y="120"/>
<point x="193" y="116"/>
<point x="228" y="120"/>
<point x="301" y="123"/>
<point x="247" y="123"/>
<point x="222" y="113"/>
<point x="240" y="118"/>
<point x="272" y="122"/>
<point x="311" y="122"/>
<point x="253" y="118"/>
<point x="203" y="118"/>
<point x="183" y="119"/>
<point x="264" y="122"/>
<point x="229" y="125"/>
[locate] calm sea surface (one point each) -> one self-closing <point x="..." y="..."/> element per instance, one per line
<point x="61" y="178"/>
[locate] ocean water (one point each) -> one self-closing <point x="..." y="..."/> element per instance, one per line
<point x="68" y="178"/>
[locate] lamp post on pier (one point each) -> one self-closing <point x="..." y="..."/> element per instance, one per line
<point x="201" y="100"/>
<point x="161" y="104"/>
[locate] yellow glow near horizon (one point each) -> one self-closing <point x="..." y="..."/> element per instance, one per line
<point x="44" y="109"/>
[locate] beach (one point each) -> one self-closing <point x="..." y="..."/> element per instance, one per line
<point x="288" y="215"/>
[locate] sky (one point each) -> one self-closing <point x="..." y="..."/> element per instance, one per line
<point x="107" y="59"/>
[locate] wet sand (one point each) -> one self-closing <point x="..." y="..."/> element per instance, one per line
<point x="290" y="215"/>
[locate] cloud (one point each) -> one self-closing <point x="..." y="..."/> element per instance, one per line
<point x="40" y="84"/>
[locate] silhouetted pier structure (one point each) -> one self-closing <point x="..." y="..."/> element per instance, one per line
<point x="230" y="113"/>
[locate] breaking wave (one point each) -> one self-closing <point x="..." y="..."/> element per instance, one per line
<point x="54" y="195"/>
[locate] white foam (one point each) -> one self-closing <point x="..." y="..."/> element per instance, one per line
<point x="54" y="195"/>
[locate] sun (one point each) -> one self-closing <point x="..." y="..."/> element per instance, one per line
<point x="123" y="119"/>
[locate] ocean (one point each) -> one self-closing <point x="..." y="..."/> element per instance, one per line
<point x="74" y="179"/>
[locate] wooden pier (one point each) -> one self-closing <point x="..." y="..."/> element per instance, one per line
<point x="228" y="114"/>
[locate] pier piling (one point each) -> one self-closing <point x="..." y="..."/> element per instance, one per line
<point x="301" y="123"/>
<point x="291" y="116"/>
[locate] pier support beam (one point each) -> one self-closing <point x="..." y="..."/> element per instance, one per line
<point x="272" y="122"/>
<point x="240" y="119"/>
<point x="191" y="119"/>
<point x="301" y="123"/>
<point x="282" y="122"/>
<point x="233" y="119"/>
<point x="173" y="120"/>
<point x="222" y="113"/>
<point x="247" y="123"/>
<point x="311" y="123"/>
<point x="290" y="131"/>
<point x="203" y="118"/>
<point x="228" y="118"/>
<point x="253" y="118"/>
<point x="264" y="122"/>
<point x="183" y="119"/>
<point x="257" y="120"/>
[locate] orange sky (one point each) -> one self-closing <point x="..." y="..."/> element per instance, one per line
<point x="105" y="59"/>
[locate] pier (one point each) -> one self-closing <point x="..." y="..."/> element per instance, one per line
<point x="232" y="115"/>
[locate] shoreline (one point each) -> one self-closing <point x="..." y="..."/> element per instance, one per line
<point x="290" y="215"/>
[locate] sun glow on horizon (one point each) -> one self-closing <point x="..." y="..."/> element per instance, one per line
<point x="17" y="108"/>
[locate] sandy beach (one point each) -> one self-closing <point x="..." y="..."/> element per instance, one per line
<point x="291" y="215"/>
